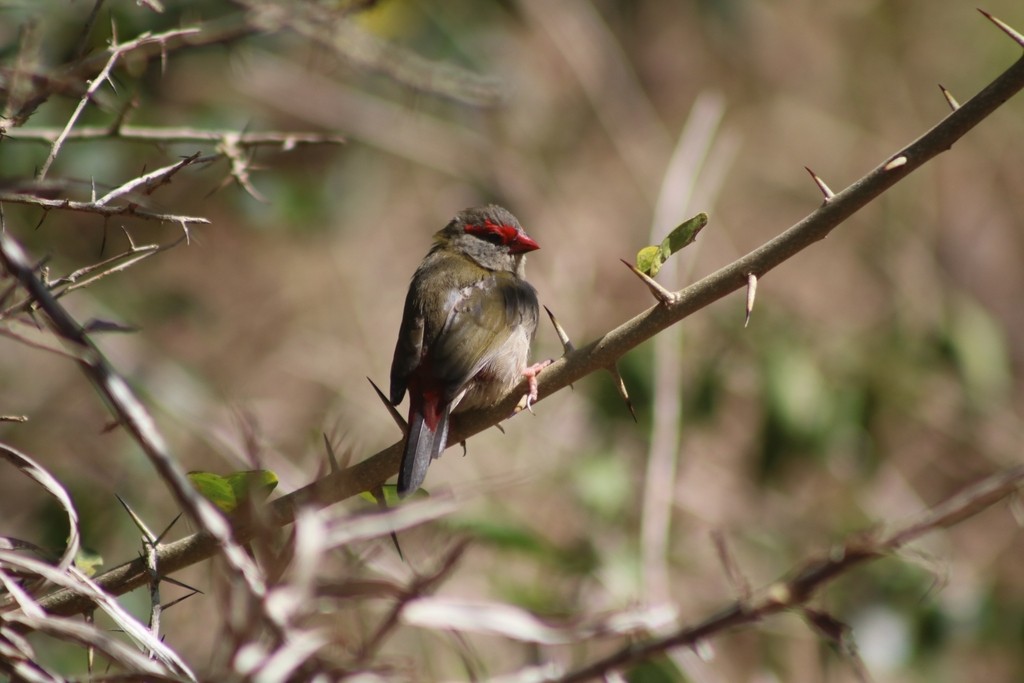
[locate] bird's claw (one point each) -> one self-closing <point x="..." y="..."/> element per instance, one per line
<point x="530" y="374"/>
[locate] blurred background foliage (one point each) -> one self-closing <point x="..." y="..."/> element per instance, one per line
<point x="881" y="370"/>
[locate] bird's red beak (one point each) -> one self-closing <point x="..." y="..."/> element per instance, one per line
<point x="522" y="244"/>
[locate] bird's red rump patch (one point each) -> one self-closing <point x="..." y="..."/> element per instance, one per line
<point x="430" y="396"/>
<point x="432" y="409"/>
<point x="512" y="237"/>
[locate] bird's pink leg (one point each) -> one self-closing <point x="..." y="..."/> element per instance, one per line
<point x="530" y="373"/>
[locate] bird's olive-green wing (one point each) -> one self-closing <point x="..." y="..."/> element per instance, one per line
<point x="480" y="321"/>
<point x="409" y="347"/>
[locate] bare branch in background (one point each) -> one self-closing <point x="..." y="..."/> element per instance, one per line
<point x="129" y="209"/>
<point x="803" y="582"/>
<point x="116" y="52"/>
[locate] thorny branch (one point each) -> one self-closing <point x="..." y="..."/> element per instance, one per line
<point x="287" y="140"/>
<point x="603" y="352"/>
<point x="129" y="209"/>
<point x="150" y="181"/>
<point x="116" y="52"/>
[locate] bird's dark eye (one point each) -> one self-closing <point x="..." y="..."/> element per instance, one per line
<point x="493" y="237"/>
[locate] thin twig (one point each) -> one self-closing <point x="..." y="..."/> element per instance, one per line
<point x="150" y="181"/>
<point x="115" y="264"/>
<point x="287" y="140"/>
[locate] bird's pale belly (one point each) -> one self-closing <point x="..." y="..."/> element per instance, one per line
<point x="499" y="375"/>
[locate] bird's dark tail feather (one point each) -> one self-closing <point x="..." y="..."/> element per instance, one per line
<point x="422" y="445"/>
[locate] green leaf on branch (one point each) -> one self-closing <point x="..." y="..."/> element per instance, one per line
<point x="650" y="259"/>
<point x="391" y="498"/>
<point x="229" y="492"/>
<point x="88" y="561"/>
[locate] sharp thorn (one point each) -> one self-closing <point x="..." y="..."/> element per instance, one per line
<point x="1005" y="28"/>
<point x="172" y="603"/>
<point x="950" y="100"/>
<point x="382" y="503"/>
<point x="751" y="293"/>
<point x="332" y="459"/>
<point x="567" y="345"/>
<point x="181" y="584"/>
<point x="395" y="415"/>
<point x="160" y="538"/>
<point x="128" y="235"/>
<point x="620" y="386"/>
<point x="139" y="524"/>
<point x="901" y="160"/>
<point x="394" y="539"/>
<point x="825" y="189"/>
<point x="660" y="293"/>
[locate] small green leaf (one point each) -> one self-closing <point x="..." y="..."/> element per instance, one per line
<point x="230" y="491"/>
<point x="684" y="235"/>
<point x="215" y="489"/>
<point x="391" y="498"/>
<point x="649" y="259"/>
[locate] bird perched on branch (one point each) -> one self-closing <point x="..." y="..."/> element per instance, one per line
<point x="469" y="320"/>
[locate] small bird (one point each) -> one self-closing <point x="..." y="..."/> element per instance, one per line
<point x="466" y="332"/>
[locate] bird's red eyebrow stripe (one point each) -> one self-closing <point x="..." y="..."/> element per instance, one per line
<point x="508" y="233"/>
